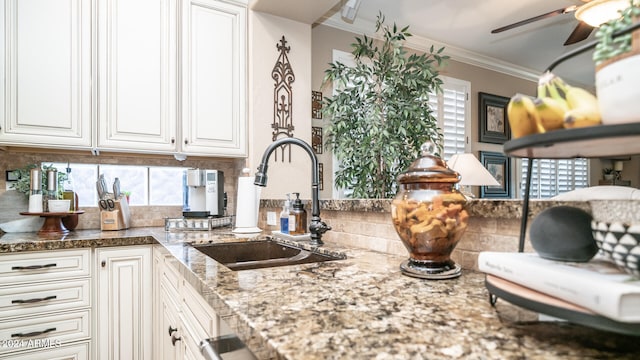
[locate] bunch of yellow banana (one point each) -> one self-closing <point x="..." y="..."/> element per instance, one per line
<point x="557" y="106"/>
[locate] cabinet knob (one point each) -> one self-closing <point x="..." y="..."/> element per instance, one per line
<point x="173" y="140"/>
<point x="103" y="263"/>
<point x="175" y="339"/>
<point x="172" y="330"/>
<point x="186" y="141"/>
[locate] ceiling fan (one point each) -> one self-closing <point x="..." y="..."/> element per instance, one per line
<point x="589" y="15"/>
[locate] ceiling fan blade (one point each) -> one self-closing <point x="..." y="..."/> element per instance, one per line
<point x="579" y="33"/>
<point x="568" y="9"/>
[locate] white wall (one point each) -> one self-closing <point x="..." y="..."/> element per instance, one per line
<point x="265" y="33"/>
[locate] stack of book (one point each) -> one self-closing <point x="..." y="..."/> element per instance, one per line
<point x="596" y="287"/>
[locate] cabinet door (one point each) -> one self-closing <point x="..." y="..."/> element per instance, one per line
<point x="171" y="332"/>
<point x="45" y="99"/>
<point x="123" y="303"/>
<point x="213" y="78"/>
<point x="137" y="74"/>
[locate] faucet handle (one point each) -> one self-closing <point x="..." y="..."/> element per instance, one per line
<point x="317" y="228"/>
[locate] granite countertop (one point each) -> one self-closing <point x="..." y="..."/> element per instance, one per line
<point x="360" y="307"/>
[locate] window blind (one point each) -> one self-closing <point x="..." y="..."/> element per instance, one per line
<point x="552" y="177"/>
<point x="451" y="109"/>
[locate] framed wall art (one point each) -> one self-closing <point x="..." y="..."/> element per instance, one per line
<point x="316" y="105"/>
<point x="499" y="167"/>
<point x="494" y="125"/>
<point x="316" y="139"/>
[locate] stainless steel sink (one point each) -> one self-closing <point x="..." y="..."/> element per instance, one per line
<point x="261" y="254"/>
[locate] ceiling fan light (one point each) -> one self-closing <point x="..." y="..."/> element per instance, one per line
<point x="350" y="9"/>
<point x="598" y="12"/>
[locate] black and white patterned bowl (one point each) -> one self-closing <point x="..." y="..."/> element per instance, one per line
<point x="620" y="243"/>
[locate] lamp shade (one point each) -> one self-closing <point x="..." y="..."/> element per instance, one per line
<point x="598" y="12"/>
<point x="471" y="170"/>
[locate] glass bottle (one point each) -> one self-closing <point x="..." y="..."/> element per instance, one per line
<point x="67" y="189"/>
<point x="284" y="218"/>
<point x="429" y="216"/>
<point x="299" y="216"/>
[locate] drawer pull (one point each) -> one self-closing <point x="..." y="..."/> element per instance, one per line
<point x="34" y="267"/>
<point x="35" y="333"/>
<point x="31" y="301"/>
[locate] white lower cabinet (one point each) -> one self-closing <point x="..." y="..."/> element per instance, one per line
<point x="123" y="303"/>
<point x="167" y="329"/>
<point x="131" y="304"/>
<point x="199" y="322"/>
<point x="44" y="319"/>
<point x="170" y="329"/>
<point x="179" y="306"/>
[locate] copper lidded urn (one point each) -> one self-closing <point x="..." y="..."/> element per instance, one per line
<point x="430" y="217"/>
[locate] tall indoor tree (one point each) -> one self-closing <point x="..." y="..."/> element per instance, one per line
<point x="379" y="112"/>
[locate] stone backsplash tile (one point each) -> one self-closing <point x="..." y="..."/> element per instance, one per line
<point x="11" y="203"/>
<point x="375" y="231"/>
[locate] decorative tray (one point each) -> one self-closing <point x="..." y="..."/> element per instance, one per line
<point x="196" y="224"/>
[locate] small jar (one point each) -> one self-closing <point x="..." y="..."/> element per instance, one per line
<point x="429" y="216"/>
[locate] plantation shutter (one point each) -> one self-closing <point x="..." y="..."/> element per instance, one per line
<point x="552" y="177"/>
<point x="451" y="109"/>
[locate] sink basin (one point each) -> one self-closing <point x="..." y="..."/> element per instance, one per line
<point x="261" y="254"/>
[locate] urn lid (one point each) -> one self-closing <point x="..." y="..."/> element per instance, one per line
<point x="428" y="169"/>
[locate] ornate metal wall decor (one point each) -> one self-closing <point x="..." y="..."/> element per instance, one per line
<point x="283" y="75"/>
<point x="316" y="104"/>
<point x="316" y="139"/>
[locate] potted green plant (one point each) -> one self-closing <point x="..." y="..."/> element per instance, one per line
<point x="607" y="173"/>
<point x="379" y="113"/>
<point x="617" y="60"/>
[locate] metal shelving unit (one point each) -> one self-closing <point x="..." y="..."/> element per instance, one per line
<point x="589" y="142"/>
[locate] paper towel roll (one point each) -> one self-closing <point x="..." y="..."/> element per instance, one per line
<point x="247" y="206"/>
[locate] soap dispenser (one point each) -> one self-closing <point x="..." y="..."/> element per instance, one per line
<point x="299" y="217"/>
<point x="284" y="216"/>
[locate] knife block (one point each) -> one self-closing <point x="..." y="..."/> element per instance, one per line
<point x="117" y="219"/>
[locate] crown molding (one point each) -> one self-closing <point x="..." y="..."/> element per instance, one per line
<point x="423" y="44"/>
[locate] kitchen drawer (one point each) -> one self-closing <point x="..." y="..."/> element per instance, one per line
<point x="171" y="278"/>
<point x="200" y="317"/>
<point x="78" y="351"/>
<point x="41" y="266"/>
<point x="36" y="299"/>
<point x="44" y="332"/>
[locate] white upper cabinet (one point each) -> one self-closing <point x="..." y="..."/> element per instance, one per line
<point x="137" y="74"/>
<point x="213" y="78"/>
<point x="45" y="59"/>
<point x="154" y="76"/>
